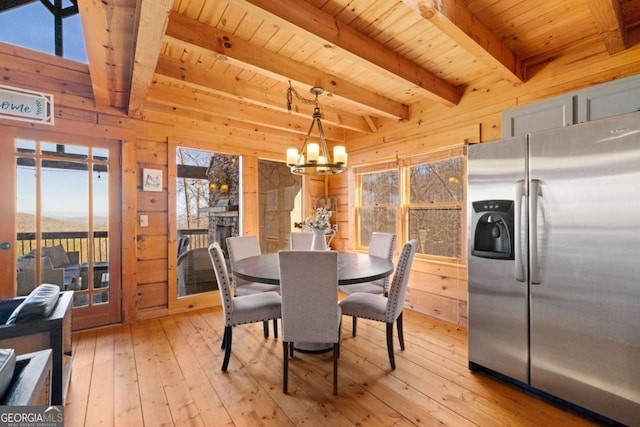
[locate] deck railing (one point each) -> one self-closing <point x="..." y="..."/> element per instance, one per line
<point x="71" y="241"/>
<point x="78" y="242"/>
<point x="198" y="238"/>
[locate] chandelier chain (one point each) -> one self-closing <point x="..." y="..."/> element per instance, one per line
<point x="292" y="91"/>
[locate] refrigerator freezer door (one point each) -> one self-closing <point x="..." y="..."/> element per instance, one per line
<point x="498" y="322"/>
<point x="585" y="310"/>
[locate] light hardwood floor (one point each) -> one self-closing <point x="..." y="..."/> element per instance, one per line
<point x="166" y="372"/>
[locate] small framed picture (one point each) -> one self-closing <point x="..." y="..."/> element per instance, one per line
<point x="151" y="180"/>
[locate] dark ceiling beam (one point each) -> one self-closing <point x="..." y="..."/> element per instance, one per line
<point x="12" y="4"/>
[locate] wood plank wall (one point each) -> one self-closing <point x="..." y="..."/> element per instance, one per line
<point x="436" y="289"/>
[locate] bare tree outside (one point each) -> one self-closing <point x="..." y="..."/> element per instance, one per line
<point x="435" y="207"/>
<point x="379" y="201"/>
<point x="192" y="192"/>
<point x="433" y="210"/>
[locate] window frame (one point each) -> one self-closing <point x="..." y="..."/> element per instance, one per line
<point x="386" y="167"/>
<point x="429" y="159"/>
<point x="403" y="208"/>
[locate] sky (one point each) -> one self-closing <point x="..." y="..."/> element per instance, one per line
<point x="31" y="26"/>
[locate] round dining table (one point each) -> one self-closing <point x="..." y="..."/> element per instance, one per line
<point x="353" y="268"/>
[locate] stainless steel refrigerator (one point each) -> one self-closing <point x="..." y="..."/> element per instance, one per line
<point x="554" y="263"/>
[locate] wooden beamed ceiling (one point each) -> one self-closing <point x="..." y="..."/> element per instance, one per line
<point x="225" y="64"/>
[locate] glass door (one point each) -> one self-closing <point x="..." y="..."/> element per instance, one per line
<point x="207" y="211"/>
<point x="65" y="228"/>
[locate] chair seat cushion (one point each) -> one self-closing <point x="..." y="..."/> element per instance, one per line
<point x="254" y="308"/>
<point x="255" y="288"/>
<point x="365" y="305"/>
<point x="7" y="367"/>
<point x="38" y="304"/>
<point x="368" y="287"/>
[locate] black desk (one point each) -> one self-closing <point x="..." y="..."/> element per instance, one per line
<point x="352" y="268"/>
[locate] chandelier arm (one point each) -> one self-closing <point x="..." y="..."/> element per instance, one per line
<point x="306" y="140"/>
<point x="323" y="141"/>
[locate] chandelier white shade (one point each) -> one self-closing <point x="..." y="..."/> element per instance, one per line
<point x="314" y="158"/>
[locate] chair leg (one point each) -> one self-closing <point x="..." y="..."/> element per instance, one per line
<point x="336" y="354"/>
<point x="228" y="332"/>
<point x="265" y="327"/>
<point x="400" y="334"/>
<point x="339" y="336"/>
<point x="224" y="338"/>
<point x="392" y="359"/>
<point x="285" y="366"/>
<point x="275" y="328"/>
<point x="355" y="325"/>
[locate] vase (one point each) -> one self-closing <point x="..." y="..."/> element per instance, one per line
<point x="318" y="243"/>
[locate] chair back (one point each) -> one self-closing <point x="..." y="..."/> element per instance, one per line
<point x="241" y="247"/>
<point x="382" y="245"/>
<point x="398" y="288"/>
<point x="309" y="290"/>
<point x="183" y="243"/>
<point x="301" y="241"/>
<point x="220" y="269"/>
<point x="195" y="272"/>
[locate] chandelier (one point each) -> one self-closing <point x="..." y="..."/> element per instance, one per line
<point x="318" y="160"/>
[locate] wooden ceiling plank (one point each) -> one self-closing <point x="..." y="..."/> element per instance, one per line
<point x="154" y="15"/>
<point x="202" y="36"/>
<point x="608" y="17"/>
<point x="176" y="115"/>
<point x="456" y="20"/>
<point x="333" y="34"/>
<point x="217" y="106"/>
<point x="239" y="89"/>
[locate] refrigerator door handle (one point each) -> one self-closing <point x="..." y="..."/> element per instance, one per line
<point x="535" y="267"/>
<point x="517" y="229"/>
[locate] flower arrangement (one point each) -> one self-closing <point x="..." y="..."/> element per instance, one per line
<point x="319" y="221"/>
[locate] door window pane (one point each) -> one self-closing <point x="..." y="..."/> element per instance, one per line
<point x="207" y="202"/>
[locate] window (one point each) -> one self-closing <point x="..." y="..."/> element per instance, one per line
<point x="434" y="207"/>
<point x="46" y="26"/>
<point x="431" y="195"/>
<point x="378" y="204"/>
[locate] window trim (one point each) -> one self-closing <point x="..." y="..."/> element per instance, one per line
<point x="403" y="166"/>
<point x="383" y="167"/>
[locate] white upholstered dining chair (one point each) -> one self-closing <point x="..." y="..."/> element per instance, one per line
<point x="241" y="247"/>
<point x="310" y="310"/>
<point x="386" y="309"/>
<point x="238" y="310"/>
<point x="301" y="241"/>
<point x="381" y="245"/>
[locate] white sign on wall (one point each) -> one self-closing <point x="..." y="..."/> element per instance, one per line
<point x="26" y="105"/>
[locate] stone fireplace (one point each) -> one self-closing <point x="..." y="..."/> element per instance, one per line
<point x="223" y="225"/>
<point x="224" y="199"/>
